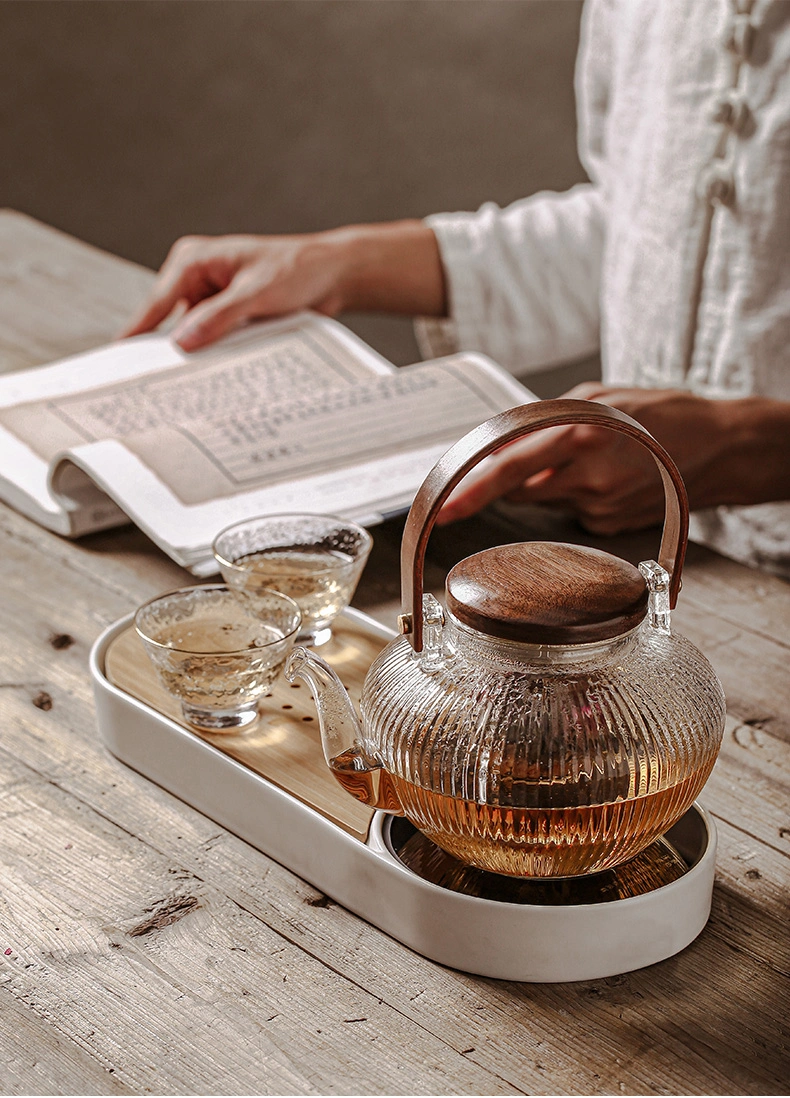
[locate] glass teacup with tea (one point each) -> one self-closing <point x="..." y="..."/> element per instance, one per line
<point x="214" y="654"/>
<point x="314" y="559"/>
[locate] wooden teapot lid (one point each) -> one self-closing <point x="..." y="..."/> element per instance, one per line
<point x="547" y="593"/>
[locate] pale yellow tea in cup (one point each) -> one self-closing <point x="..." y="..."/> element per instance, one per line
<point x="314" y="559"/>
<point x="214" y="654"/>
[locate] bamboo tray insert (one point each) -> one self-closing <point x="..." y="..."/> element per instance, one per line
<point x="283" y="745"/>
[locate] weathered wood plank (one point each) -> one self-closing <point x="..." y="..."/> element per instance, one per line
<point x="753" y="668"/>
<point x="59" y="296"/>
<point x="185" y="991"/>
<point x="743" y="596"/>
<point x="36" y="1059"/>
<point x="750" y="785"/>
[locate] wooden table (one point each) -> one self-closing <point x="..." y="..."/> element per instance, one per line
<point x="145" y="949"/>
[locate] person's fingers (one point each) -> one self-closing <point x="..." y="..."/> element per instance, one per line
<point x="190" y="272"/>
<point x="602" y="512"/>
<point x="506" y="471"/>
<point x="552" y="485"/>
<point x="176" y="282"/>
<point x="608" y="522"/>
<point x="153" y="313"/>
<point x="543" y="483"/>
<point x="213" y="318"/>
<point x="588" y="390"/>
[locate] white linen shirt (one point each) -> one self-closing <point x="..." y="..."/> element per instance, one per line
<point x="675" y="258"/>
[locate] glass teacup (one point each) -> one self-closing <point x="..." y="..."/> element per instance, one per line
<point x="215" y="654"/>
<point x="315" y="559"/>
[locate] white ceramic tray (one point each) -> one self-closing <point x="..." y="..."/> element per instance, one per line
<point x="512" y="941"/>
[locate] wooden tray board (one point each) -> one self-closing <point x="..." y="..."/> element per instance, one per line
<point x="284" y="744"/>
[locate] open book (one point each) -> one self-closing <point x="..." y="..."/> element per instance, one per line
<point x="291" y="415"/>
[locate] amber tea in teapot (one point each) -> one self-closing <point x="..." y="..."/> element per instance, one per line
<point x="527" y="842"/>
<point x="548" y="723"/>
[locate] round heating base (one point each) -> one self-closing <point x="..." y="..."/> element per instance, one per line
<point x="565" y="929"/>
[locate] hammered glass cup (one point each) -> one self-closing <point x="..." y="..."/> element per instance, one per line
<point x="314" y="559"/>
<point x="214" y="654"/>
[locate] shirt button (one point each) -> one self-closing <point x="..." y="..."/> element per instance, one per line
<point x="718" y="185"/>
<point x="740" y="38"/>
<point x="731" y="111"/>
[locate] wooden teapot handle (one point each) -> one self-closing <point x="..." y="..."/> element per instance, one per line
<point x="496" y="432"/>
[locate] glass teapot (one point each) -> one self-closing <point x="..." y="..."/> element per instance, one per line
<point x="548" y="722"/>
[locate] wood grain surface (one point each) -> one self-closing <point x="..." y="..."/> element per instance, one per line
<point x="143" y="949"/>
<point x="547" y="593"/>
<point x="284" y="744"/>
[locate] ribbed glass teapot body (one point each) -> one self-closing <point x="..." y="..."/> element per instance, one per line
<point x="544" y="761"/>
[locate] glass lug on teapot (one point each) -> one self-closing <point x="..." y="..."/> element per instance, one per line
<point x="549" y="722"/>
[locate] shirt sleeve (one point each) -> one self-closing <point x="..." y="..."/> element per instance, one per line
<point x="523" y="282"/>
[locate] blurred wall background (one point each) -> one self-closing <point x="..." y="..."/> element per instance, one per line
<point x="131" y="122"/>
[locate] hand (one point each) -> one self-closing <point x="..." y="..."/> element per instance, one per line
<point x="225" y="281"/>
<point x="230" y="279"/>
<point x="728" y="451"/>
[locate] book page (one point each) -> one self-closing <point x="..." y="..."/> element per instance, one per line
<point x="23" y="470"/>
<point x="238" y="446"/>
<point x="254" y="369"/>
<point x="361" y="451"/>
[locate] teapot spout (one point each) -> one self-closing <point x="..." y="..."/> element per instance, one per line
<point x="341" y="734"/>
<point x="340" y="729"/>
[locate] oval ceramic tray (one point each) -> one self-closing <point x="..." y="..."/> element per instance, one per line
<point x="357" y="864"/>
